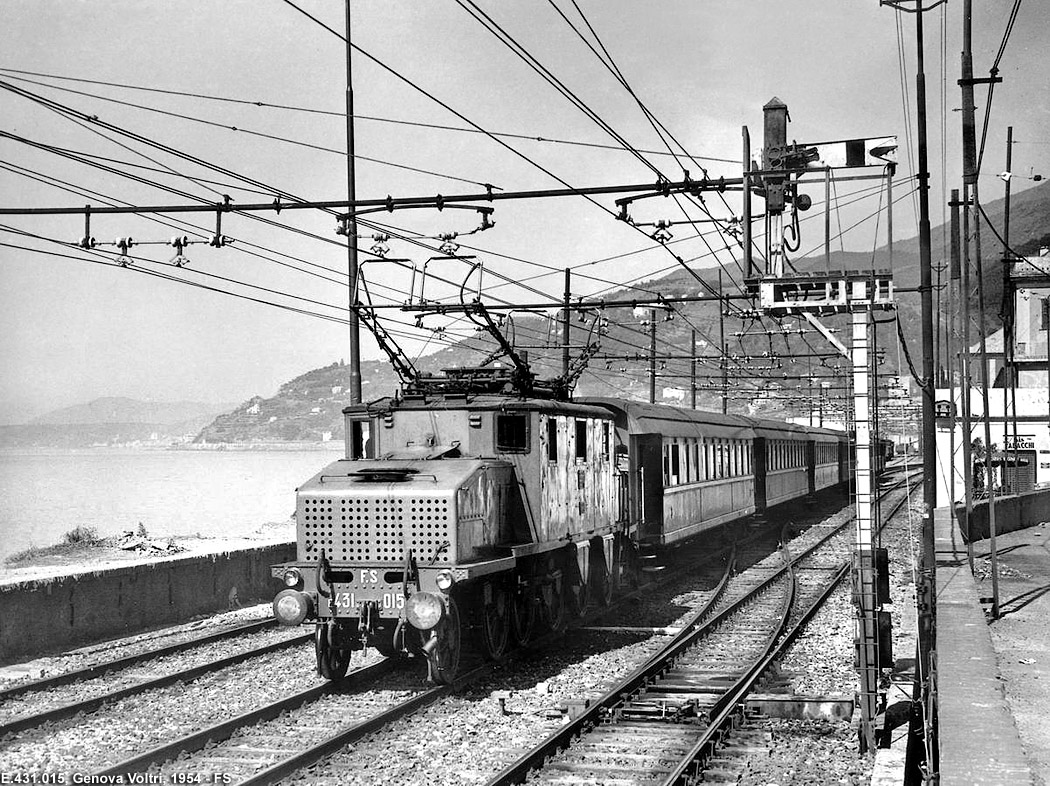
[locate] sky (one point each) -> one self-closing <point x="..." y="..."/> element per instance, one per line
<point x="74" y="329"/>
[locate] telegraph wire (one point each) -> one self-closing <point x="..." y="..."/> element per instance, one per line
<point x="511" y="43"/>
<point x="273" y="137"/>
<point x="342" y="115"/>
<point x="429" y="95"/>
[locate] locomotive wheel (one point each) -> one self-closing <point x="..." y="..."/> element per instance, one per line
<point x="601" y="584"/>
<point x="576" y="599"/>
<point x="332" y="663"/>
<point x="555" y="605"/>
<point x="444" y="648"/>
<point x="522" y="616"/>
<point x="603" y="576"/>
<point x="496" y="622"/>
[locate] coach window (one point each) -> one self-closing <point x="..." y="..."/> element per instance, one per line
<point x="606" y="451"/>
<point x="512" y="432"/>
<point x="581" y="440"/>
<point x="676" y="464"/>
<point x="552" y="439"/>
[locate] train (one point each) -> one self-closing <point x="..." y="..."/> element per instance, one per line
<point x="458" y="518"/>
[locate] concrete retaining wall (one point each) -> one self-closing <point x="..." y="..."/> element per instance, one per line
<point x="43" y="616"/>
<point x="1017" y="511"/>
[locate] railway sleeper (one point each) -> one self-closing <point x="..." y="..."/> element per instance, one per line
<point x="710" y="672"/>
<point x="629" y="753"/>
<point x="689" y="686"/>
<point x="649" y="760"/>
<point x="602" y="771"/>
<point x="628" y="733"/>
<point x="571" y="779"/>
<point x="702" y="698"/>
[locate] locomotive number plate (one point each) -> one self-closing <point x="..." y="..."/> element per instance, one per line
<point x="349" y="601"/>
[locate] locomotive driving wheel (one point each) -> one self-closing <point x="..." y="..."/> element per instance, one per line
<point x="443" y="647"/>
<point x="555" y="604"/>
<point x="332" y="662"/>
<point x="603" y="575"/>
<point x="495" y="619"/>
<point x="522" y="615"/>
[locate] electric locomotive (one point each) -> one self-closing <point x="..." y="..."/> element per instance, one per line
<point x="454" y="513"/>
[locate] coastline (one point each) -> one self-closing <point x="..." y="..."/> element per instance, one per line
<point x="91" y="558"/>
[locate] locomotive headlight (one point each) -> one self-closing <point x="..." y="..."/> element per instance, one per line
<point x="445" y="580"/>
<point x="291" y="607"/>
<point x="424" y="610"/>
<point x="293" y="578"/>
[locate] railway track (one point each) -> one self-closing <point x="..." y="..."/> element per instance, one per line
<point x="102" y="667"/>
<point x="47" y="702"/>
<point x="266" y="745"/>
<point x="665" y="722"/>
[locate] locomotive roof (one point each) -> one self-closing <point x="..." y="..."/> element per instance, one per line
<point x="478" y="403"/>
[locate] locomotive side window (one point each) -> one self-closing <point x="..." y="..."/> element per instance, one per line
<point x="552" y="439"/>
<point x="581" y="440"/>
<point x="512" y="433"/>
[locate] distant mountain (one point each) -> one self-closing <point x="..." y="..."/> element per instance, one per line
<point x="309" y="407"/>
<point x="113" y="421"/>
<point x="118" y="409"/>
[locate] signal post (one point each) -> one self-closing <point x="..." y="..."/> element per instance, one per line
<point x="858" y="293"/>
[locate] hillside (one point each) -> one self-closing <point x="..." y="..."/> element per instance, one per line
<point x="117" y="409"/>
<point x="112" y="421"/>
<point x="308" y="408"/>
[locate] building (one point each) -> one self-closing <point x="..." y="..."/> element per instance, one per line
<point x="1018" y="401"/>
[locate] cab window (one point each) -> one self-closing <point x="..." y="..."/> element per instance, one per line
<point x="512" y="432"/>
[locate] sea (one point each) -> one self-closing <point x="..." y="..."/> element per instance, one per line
<point x="214" y="493"/>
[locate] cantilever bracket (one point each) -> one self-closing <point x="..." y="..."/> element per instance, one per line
<point x="826" y="333"/>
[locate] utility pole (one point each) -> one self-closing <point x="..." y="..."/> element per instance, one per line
<point x="724" y="348"/>
<point x="926" y="587"/>
<point x="970" y="171"/>
<point x="565" y="326"/>
<point x="749" y="259"/>
<point x="692" y="372"/>
<point x="967" y="374"/>
<point x="351" y="227"/>
<point x="1008" y="315"/>
<point x="652" y="356"/>
<point x="953" y="305"/>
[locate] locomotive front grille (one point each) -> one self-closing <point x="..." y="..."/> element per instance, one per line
<point x="376" y="529"/>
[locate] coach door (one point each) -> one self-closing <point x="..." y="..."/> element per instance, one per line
<point x="760" y="473"/>
<point x="649" y="481"/>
